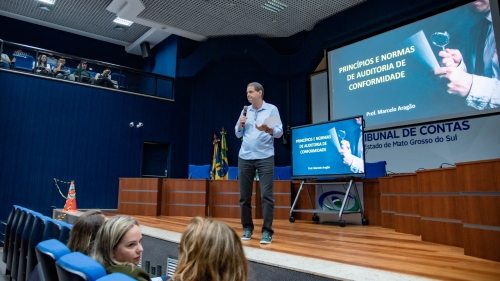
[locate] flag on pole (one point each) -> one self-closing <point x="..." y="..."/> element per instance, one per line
<point x="214" y="172"/>
<point x="224" y="166"/>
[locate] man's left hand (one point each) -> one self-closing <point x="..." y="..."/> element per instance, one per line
<point x="458" y="82"/>
<point x="262" y="127"/>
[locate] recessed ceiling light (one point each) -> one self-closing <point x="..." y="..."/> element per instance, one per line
<point x="123" y="21"/>
<point x="51" y="2"/>
<point x="274" y="6"/>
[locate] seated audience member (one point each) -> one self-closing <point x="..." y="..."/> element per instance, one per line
<point x="4" y="61"/>
<point x="118" y="247"/>
<point x="210" y="250"/>
<point x="84" y="231"/>
<point x="104" y="79"/>
<point x="41" y="66"/>
<point x="81" y="237"/>
<point x="81" y="70"/>
<point x="51" y="60"/>
<point x="62" y="71"/>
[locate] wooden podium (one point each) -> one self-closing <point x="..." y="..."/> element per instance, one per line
<point x="139" y="196"/>
<point x="456" y="206"/>
<point x="185" y="197"/>
<point x="480" y="198"/>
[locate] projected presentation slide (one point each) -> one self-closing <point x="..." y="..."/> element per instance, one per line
<point x="444" y="66"/>
<point x="328" y="149"/>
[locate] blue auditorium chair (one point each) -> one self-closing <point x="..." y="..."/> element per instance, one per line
<point x="116" y="277"/>
<point x="24" y="62"/>
<point x="35" y="238"/>
<point x="8" y="228"/>
<point x="199" y="172"/>
<point x="52" y="229"/>
<point x="65" y="230"/>
<point x="232" y="173"/>
<point x="283" y="173"/>
<point x="79" y="267"/>
<point x="17" y="243"/>
<point x="48" y="252"/>
<point x="19" y="272"/>
<point x="375" y="170"/>
<point x="12" y="237"/>
<point x="120" y="79"/>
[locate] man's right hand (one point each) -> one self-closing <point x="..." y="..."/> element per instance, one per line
<point x="450" y="57"/>
<point x="345" y="150"/>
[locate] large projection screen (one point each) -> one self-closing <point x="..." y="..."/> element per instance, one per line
<point x="400" y="77"/>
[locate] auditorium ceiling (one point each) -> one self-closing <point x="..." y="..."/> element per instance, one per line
<point x="154" y="20"/>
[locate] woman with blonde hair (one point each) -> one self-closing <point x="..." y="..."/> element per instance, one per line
<point x="210" y="250"/>
<point x="84" y="231"/>
<point x="118" y="247"/>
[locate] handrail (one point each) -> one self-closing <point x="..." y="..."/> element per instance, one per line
<point x="121" y="68"/>
<point x="102" y="63"/>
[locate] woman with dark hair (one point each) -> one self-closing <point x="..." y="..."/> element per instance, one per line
<point x="82" y="236"/>
<point x="41" y="66"/>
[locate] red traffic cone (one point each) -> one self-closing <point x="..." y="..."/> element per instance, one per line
<point x="70" y="205"/>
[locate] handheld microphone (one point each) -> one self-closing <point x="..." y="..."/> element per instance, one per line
<point x="244" y="114"/>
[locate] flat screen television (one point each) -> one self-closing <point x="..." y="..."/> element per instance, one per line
<point x="329" y="149"/>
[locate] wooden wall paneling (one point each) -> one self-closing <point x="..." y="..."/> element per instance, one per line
<point x="139" y="196"/>
<point x="442" y="206"/>
<point x="481" y="210"/>
<point x="225" y="199"/>
<point x="282" y="199"/>
<point x="386" y="208"/>
<point x="406" y="214"/>
<point x="406" y="204"/>
<point x="387" y="220"/>
<point x="387" y="202"/>
<point x="480" y="186"/>
<point x="384" y="185"/>
<point x="482" y="243"/>
<point x="303" y="201"/>
<point x="406" y="183"/>
<point x="185" y="197"/>
<point x="407" y="224"/>
<point x="479" y="175"/>
<point x="441" y="180"/>
<point x="371" y="196"/>
<point x="442" y="232"/>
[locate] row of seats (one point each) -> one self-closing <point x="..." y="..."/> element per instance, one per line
<point x="203" y="172"/>
<point x="24" y="62"/>
<point x="58" y="263"/>
<point x="25" y="230"/>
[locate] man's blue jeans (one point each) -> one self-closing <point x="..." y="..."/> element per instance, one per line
<point x="246" y="174"/>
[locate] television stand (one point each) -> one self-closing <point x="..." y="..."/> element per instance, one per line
<point x="342" y="210"/>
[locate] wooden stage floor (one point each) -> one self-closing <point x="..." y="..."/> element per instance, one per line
<point x="365" y="246"/>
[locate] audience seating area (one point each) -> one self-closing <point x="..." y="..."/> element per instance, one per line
<point x="24" y="59"/>
<point x="33" y="239"/>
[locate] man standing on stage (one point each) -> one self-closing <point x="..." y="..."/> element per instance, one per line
<point x="257" y="154"/>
